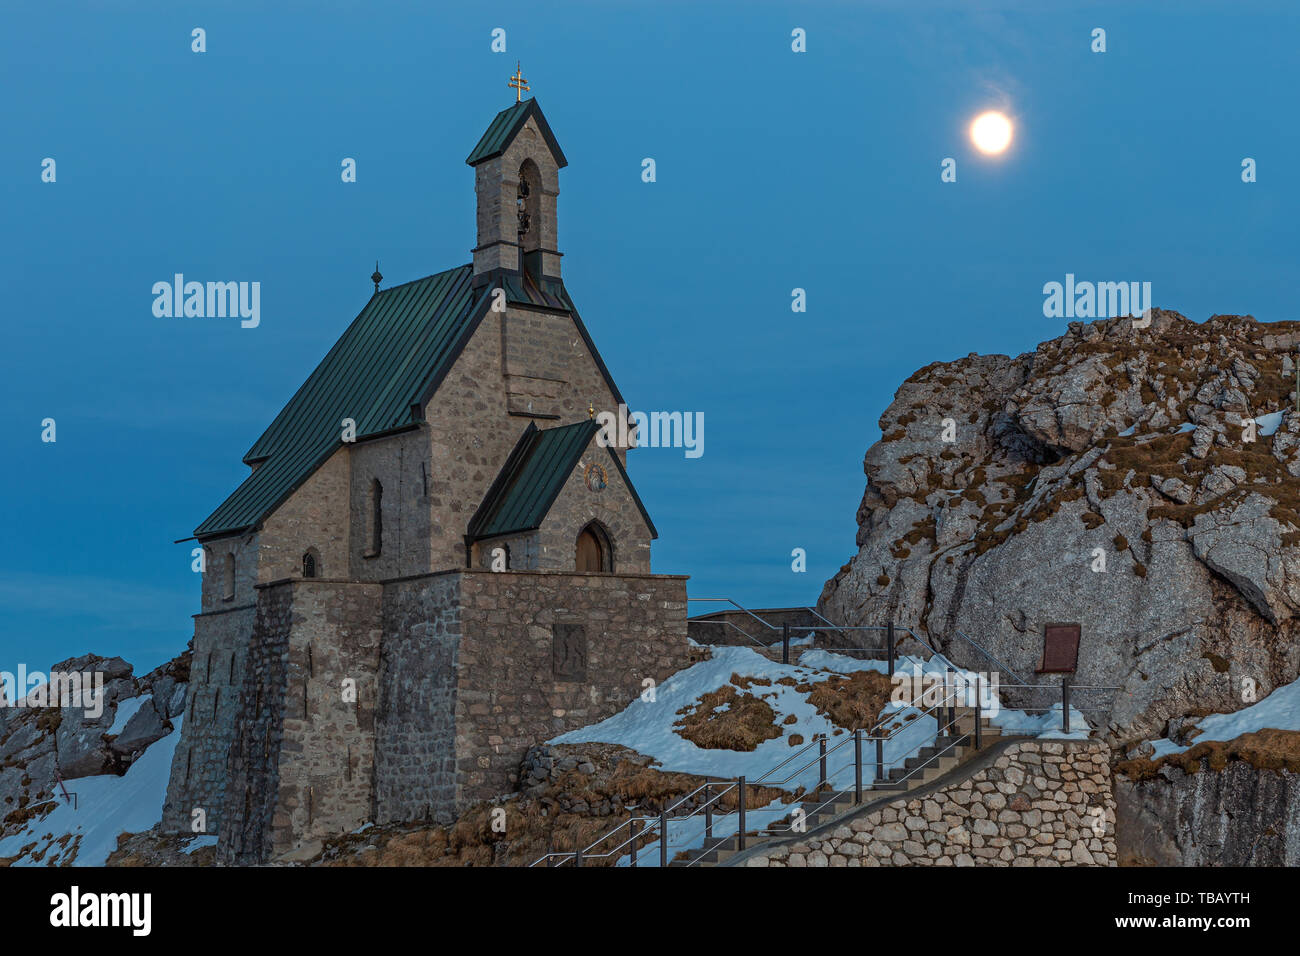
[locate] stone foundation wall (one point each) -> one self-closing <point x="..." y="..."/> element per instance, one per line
<point x="326" y="767"/>
<point x="301" y="765"/>
<point x="415" y="757"/>
<point x="1039" y="803"/>
<point x="244" y="831"/>
<point x="407" y="700"/>
<point x="212" y="709"/>
<point x="542" y="653"/>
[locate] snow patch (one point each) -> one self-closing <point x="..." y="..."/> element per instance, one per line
<point x="199" y="842"/>
<point x="126" y="709"/>
<point x="105" y="807"/>
<point x="1268" y="424"/>
<point x="1280" y="710"/>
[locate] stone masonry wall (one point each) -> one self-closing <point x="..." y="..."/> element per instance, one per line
<point x="303" y="756"/>
<point x="415" y="755"/>
<point x="522" y="551"/>
<point x="198" y="773"/>
<point x="403" y="465"/>
<point x="314" y="516"/>
<point x="614" y="507"/>
<point x="244" y="831"/>
<point x="244" y="549"/>
<point x="326" y="770"/>
<point x="1040" y="803"/>
<point x="472" y="432"/>
<point x="542" y="653"/>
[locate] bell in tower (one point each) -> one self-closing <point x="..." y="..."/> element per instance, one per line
<point x="516" y="179"/>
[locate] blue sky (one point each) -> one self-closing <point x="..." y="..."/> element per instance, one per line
<point x="775" y="170"/>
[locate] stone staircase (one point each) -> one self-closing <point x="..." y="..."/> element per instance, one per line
<point x="825" y="806"/>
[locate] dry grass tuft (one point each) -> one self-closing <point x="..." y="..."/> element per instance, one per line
<point x="1267" y="749"/>
<point x="746" y="722"/>
<point x="853" y="701"/>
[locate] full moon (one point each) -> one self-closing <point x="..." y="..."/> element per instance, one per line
<point x="991" y="132"/>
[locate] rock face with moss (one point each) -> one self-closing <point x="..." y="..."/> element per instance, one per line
<point x="1237" y="814"/>
<point x="1138" y="481"/>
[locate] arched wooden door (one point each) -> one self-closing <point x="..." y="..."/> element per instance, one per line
<point x="590" y="553"/>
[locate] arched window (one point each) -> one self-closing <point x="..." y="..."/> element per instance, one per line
<point x="311" y="564"/>
<point x="593" y="553"/>
<point x="228" y="577"/>
<point x="376" y="517"/>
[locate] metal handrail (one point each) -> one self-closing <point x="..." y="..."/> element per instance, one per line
<point x="739" y="607"/>
<point x="902" y="760"/>
<point x="871" y="735"/>
<point x="818" y="614"/>
<point x="735" y="627"/>
<point x="653" y="823"/>
<point x="658" y="824"/>
<point x="628" y="822"/>
<point x="1014" y="676"/>
<point x="829" y="775"/>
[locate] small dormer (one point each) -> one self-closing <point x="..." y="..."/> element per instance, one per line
<point x="516" y="178"/>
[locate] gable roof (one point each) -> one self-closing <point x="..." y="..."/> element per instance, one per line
<point x="506" y="125"/>
<point x="533" y="477"/>
<point x="391" y="355"/>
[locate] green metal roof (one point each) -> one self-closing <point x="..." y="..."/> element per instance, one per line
<point x="507" y="123"/>
<point x="531" y="480"/>
<point x="387" y="361"/>
<point x="533" y="477"/>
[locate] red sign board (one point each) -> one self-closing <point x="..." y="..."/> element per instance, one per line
<point x="1060" y="648"/>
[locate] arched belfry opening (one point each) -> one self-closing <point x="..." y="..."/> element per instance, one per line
<point x="594" y="552"/>
<point x="516" y="182"/>
<point x="528" y="203"/>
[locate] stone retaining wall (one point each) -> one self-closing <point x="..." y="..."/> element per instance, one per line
<point x="1039" y="803"/>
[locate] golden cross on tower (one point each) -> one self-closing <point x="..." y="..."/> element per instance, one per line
<point x="519" y="84"/>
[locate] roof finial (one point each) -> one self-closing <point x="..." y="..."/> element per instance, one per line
<point x="519" y="84"/>
<point x="376" y="278"/>
<point x="591" y="410"/>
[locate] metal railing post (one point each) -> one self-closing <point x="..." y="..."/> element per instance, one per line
<point x="785" y="643"/>
<point x="577" y="856"/>
<point x="633" y="827"/>
<point x="821" y="747"/>
<point x="1065" y="704"/>
<point x="857" y="765"/>
<point x="708" y="815"/>
<point x="978" y="712"/>
<point x="740" y="830"/>
<point x="889" y="643"/>
<point x="880" y="760"/>
<point x="950" y="691"/>
<point x="663" y="837"/>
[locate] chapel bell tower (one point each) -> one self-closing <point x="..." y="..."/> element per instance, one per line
<point x="516" y="178"/>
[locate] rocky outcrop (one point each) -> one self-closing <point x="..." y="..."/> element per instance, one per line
<point x="1241" y="815"/>
<point x="1139" y="481"/>
<point x="41" y="745"/>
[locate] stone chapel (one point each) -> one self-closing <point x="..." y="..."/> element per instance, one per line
<point x="433" y="563"/>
